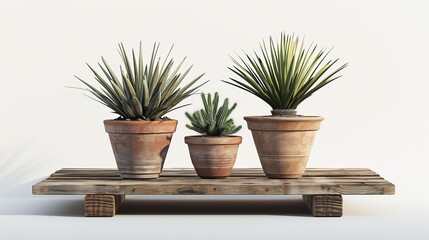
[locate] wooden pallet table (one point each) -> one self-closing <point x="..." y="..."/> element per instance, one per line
<point x="322" y="189"/>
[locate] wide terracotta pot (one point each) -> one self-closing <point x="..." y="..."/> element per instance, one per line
<point x="213" y="157"/>
<point x="140" y="147"/>
<point x="283" y="143"/>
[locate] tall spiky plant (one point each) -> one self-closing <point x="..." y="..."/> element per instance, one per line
<point x="285" y="73"/>
<point x="143" y="91"/>
<point x="213" y="120"/>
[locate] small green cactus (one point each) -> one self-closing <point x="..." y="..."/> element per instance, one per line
<point x="213" y="121"/>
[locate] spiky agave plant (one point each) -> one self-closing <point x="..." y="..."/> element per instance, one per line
<point x="213" y="120"/>
<point x="143" y="91"/>
<point x="284" y="73"/>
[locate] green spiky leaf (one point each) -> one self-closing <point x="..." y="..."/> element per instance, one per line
<point x="284" y="73"/>
<point x="147" y="91"/>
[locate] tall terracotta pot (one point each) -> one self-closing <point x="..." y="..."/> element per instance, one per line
<point x="283" y="143"/>
<point x="140" y="147"/>
<point x="213" y="157"/>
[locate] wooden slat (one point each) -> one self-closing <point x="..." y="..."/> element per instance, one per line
<point x="243" y="182"/>
<point x="236" y="173"/>
<point x="333" y="171"/>
<point x="232" y="180"/>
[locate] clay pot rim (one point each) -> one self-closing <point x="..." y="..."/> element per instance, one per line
<point x="213" y="140"/>
<point x="137" y="127"/>
<point x="137" y="121"/>
<point x="297" y="118"/>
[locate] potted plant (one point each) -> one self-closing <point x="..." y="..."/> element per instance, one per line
<point x="214" y="152"/>
<point x="141" y="96"/>
<point x="283" y="75"/>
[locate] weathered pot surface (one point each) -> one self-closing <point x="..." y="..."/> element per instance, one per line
<point x="213" y="157"/>
<point x="283" y="143"/>
<point x="140" y="147"/>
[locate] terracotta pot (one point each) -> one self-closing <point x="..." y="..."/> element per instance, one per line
<point x="283" y="143"/>
<point x="213" y="157"/>
<point x="140" y="147"/>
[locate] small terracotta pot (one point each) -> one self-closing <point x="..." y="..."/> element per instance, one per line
<point x="213" y="157"/>
<point x="140" y="147"/>
<point x="283" y="143"/>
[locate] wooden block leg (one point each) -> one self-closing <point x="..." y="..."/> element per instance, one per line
<point x="102" y="205"/>
<point x="324" y="205"/>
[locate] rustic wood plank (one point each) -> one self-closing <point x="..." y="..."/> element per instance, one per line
<point x="324" y="205"/>
<point x="321" y="188"/>
<point x="102" y="205"/>
<point x="344" y="181"/>
<point x="80" y="188"/>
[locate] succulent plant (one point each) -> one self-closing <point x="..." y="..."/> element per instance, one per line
<point x="143" y="91"/>
<point x="213" y="120"/>
<point x="285" y="73"/>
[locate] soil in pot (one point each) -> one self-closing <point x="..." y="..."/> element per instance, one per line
<point x="283" y="143"/>
<point x="140" y="147"/>
<point x="213" y="157"/>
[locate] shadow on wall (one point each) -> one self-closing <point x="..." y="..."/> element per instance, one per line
<point x="20" y="168"/>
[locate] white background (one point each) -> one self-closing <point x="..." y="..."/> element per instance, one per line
<point x="376" y="115"/>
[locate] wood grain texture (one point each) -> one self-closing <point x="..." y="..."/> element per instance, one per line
<point x="252" y="181"/>
<point x="102" y="205"/>
<point x="324" y="205"/>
